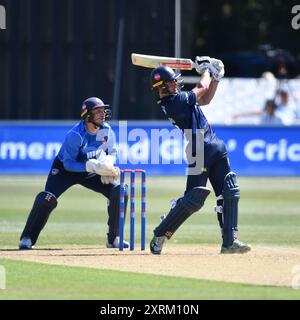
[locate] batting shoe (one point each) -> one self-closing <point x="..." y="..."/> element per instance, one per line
<point x="25" y="244"/>
<point x="236" y="247"/>
<point x="156" y="244"/>
<point x="116" y="244"/>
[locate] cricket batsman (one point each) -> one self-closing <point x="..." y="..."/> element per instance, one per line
<point x="86" y="157"/>
<point x="184" y="111"/>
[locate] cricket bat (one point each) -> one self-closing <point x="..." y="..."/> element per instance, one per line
<point x="148" y="61"/>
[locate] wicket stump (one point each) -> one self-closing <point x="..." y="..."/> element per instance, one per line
<point x="132" y="208"/>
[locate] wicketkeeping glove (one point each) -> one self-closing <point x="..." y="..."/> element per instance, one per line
<point x="216" y="69"/>
<point x="109" y="179"/>
<point x="103" y="167"/>
<point x="202" y="64"/>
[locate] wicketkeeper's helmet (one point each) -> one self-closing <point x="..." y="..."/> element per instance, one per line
<point x="92" y="103"/>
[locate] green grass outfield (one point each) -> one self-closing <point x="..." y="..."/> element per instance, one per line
<point x="28" y="280"/>
<point x="269" y="215"/>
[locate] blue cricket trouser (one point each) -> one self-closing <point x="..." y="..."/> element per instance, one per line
<point x="216" y="166"/>
<point x="59" y="180"/>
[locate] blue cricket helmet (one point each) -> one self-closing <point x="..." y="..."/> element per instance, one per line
<point x="164" y="74"/>
<point x="92" y="103"/>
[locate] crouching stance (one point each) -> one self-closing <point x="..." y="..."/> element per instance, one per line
<point x="87" y="158"/>
<point x="184" y="111"/>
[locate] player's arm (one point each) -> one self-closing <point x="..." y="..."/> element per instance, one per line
<point x="71" y="150"/>
<point x="111" y="144"/>
<point x="211" y="70"/>
<point x="72" y="145"/>
<point x="109" y="149"/>
<point x="202" y="86"/>
<point x="208" y="96"/>
<point x="111" y="156"/>
<point x="205" y="89"/>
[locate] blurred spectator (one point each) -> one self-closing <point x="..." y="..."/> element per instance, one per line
<point x="286" y="112"/>
<point x="267" y="115"/>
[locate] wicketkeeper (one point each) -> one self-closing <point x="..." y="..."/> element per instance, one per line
<point x="86" y="157"/>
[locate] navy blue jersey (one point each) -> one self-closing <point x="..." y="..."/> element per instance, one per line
<point x="81" y="145"/>
<point x="184" y="112"/>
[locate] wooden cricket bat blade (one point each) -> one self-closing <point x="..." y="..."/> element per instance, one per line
<point x="148" y="61"/>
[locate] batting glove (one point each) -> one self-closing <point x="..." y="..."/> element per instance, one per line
<point x="216" y="69"/>
<point x="202" y="64"/>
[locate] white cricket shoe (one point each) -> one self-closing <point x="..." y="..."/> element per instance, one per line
<point x="116" y="244"/>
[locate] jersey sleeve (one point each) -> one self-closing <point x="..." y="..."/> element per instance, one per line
<point x="183" y="102"/>
<point x="111" y="144"/>
<point x="190" y="98"/>
<point x="72" y="146"/>
<point x="178" y="109"/>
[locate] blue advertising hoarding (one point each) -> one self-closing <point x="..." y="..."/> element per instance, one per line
<point x="157" y="147"/>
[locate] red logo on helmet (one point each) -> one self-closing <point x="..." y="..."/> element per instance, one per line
<point x="157" y="76"/>
<point x="83" y="107"/>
